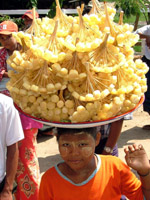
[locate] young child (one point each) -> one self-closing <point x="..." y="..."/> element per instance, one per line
<point x="88" y="176"/>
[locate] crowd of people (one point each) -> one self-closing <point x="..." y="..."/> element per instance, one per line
<point x="90" y="168"/>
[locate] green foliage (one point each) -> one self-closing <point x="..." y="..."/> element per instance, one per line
<point x="137" y="48"/>
<point x="52" y="11"/>
<point x="131" y="7"/>
<point x="4" y="18"/>
<point x="19" y="21"/>
<point x="129" y="20"/>
<point x="134" y="8"/>
<point x="32" y="3"/>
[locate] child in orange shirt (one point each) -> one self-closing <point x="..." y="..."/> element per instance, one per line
<point x="83" y="175"/>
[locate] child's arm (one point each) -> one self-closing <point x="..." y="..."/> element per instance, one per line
<point x="137" y="159"/>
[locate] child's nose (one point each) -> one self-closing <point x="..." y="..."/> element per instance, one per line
<point x="75" y="150"/>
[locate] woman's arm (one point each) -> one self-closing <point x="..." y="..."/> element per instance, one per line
<point x="5" y="74"/>
<point x="146" y="37"/>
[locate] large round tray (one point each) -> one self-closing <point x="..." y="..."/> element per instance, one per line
<point x="82" y="124"/>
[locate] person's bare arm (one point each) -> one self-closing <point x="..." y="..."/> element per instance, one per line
<point x="115" y="131"/>
<point x="146" y="186"/>
<point x="137" y="159"/>
<point x="6" y="74"/>
<point x="11" y="168"/>
<point x="146" y="37"/>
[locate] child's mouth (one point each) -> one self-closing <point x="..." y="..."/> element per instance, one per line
<point x="75" y="161"/>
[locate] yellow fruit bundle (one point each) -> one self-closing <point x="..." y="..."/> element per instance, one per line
<point x="78" y="68"/>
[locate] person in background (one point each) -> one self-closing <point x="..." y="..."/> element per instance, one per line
<point x="28" y="18"/>
<point x="144" y="33"/>
<point x="28" y="173"/>
<point x="10" y="134"/>
<point x="110" y="134"/>
<point x="85" y="175"/>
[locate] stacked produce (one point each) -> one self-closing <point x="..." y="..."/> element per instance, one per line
<point x="78" y="68"/>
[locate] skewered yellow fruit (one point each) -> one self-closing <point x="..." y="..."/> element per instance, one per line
<point x="53" y="51"/>
<point x="77" y="69"/>
<point x="107" y="57"/>
<point x="21" y="61"/>
<point x="88" y="37"/>
<point x="70" y="69"/>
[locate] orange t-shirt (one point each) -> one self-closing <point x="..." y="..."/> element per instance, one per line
<point x="111" y="179"/>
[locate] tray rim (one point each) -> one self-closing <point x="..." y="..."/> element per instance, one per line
<point x="81" y="124"/>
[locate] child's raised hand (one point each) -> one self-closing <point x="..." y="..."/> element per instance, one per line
<point x="137" y="159"/>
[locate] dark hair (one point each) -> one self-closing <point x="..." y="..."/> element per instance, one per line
<point x="62" y="131"/>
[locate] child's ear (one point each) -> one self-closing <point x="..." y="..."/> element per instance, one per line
<point x="98" y="137"/>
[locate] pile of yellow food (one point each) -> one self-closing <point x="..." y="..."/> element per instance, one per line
<point x="78" y="68"/>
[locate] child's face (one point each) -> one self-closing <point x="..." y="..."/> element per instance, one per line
<point x="77" y="150"/>
<point x="8" y="41"/>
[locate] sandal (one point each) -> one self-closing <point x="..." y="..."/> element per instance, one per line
<point x="146" y="127"/>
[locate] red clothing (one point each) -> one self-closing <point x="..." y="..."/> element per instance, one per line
<point x="111" y="179"/>
<point x="28" y="173"/>
<point x="3" y="65"/>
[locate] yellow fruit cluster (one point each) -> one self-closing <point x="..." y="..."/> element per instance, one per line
<point x="78" y="68"/>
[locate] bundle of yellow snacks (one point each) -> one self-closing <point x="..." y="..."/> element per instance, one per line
<point x="78" y="68"/>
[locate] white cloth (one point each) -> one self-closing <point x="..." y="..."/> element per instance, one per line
<point x="146" y="31"/>
<point x="10" y="129"/>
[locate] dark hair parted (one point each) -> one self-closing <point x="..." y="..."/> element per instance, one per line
<point x="62" y="131"/>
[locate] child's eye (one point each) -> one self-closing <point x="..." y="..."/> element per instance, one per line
<point x="65" y="145"/>
<point x="82" y="144"/>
